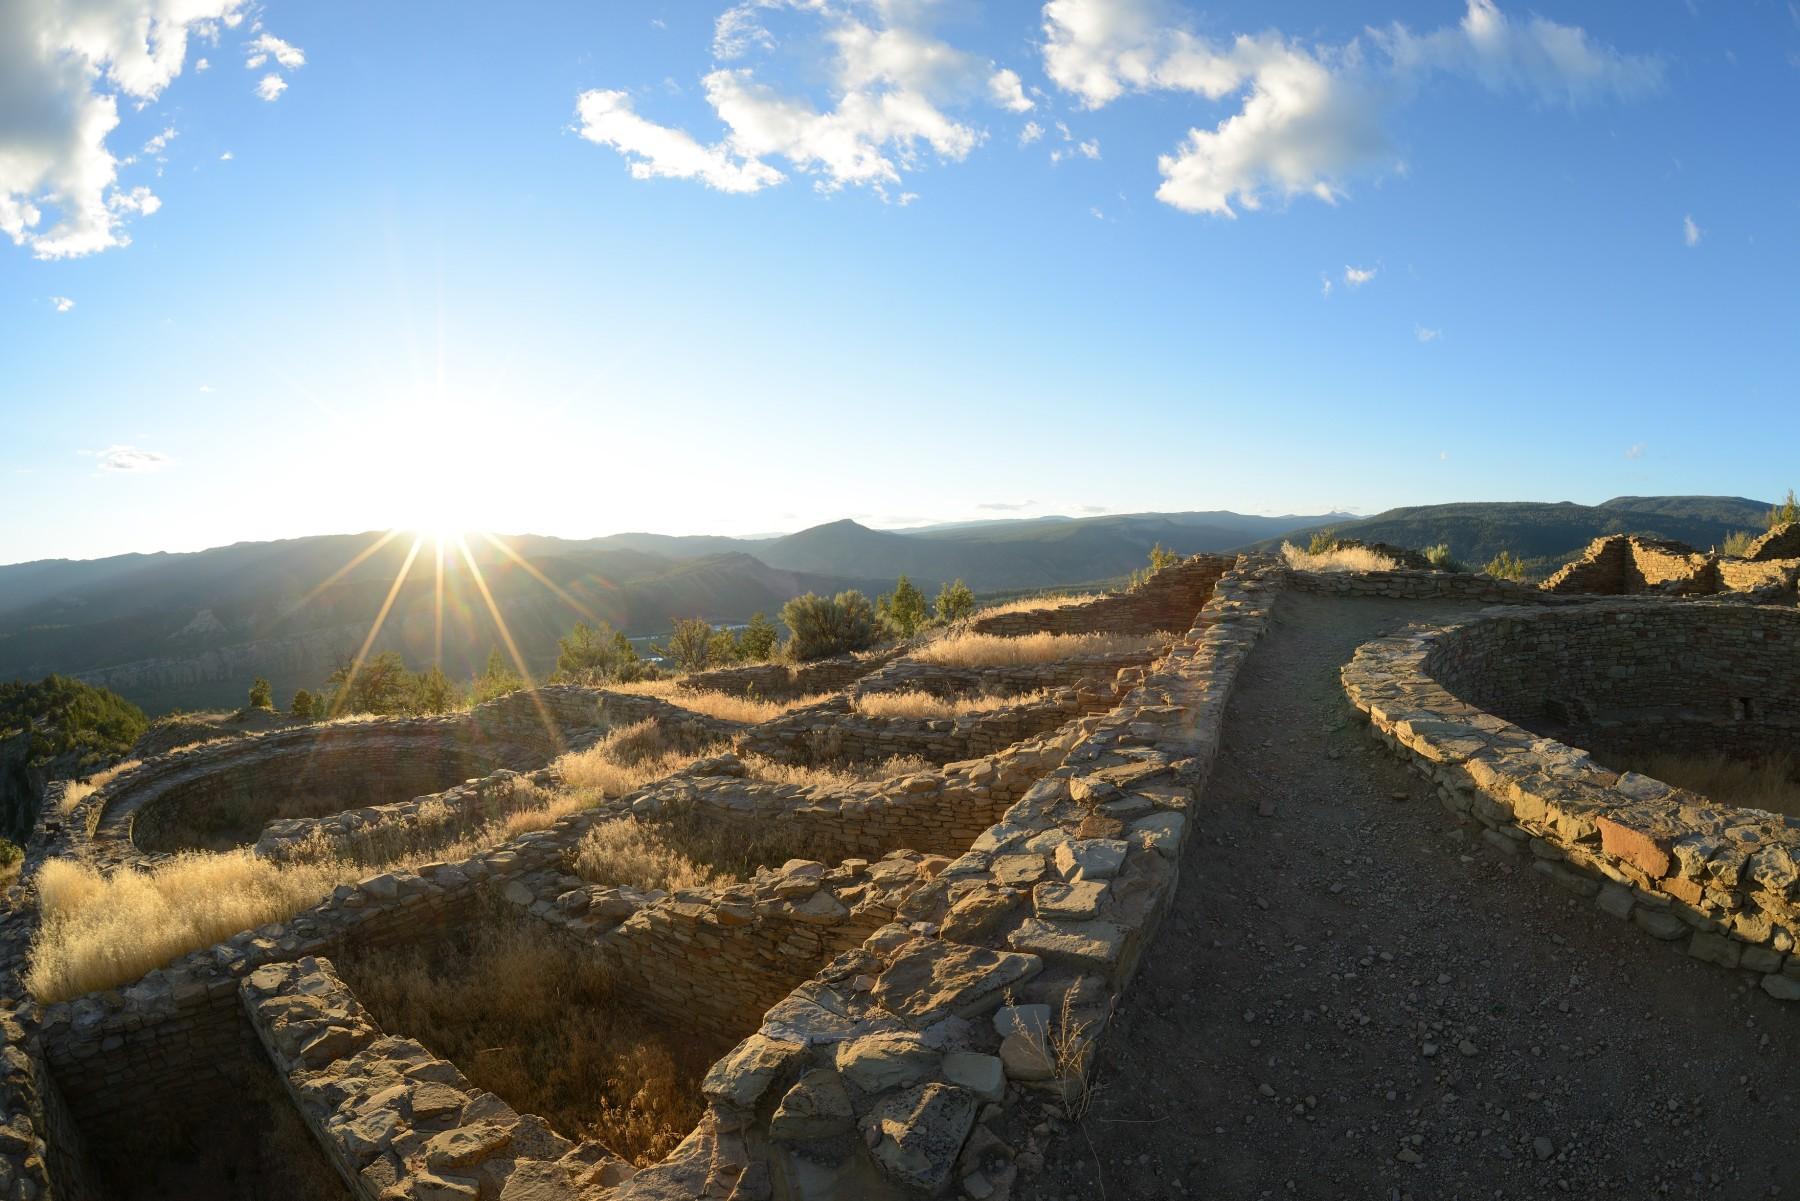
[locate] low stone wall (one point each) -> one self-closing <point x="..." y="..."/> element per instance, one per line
<point x="1719" y="880"/>
<point x="1780" y="543"/>
<point x="358" y="761"/>
<point x="395" y="1120"/>
<point x="1406" y="584"/>
<point x="835" y="732"/>
<point x="1091" y="672"/>
<point x="939" y="811"/>
<point x="782" y="681"/>
<point x="1633" y="677"/>
<point x="869" y="1080"/>
<point x="1167" y="601"/>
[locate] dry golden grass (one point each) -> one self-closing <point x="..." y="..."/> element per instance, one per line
<point x="722" y="705"/>
<point x="840" y="775"/>
<point x="1343" y="558"/>
<point x="541" y="1028"/>
<point x="992" y="650"/>
<point x="627" y="853"/>
<point x="925" y="706"/>
<point x="1771" y="784"/>
<point x="99" y="932"/>
<point x="626" y="759"/>
<point x="82" y="789"/>
<point x="1027" y="604"/>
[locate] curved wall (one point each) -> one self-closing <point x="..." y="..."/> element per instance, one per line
<point x="1647" y="677"/>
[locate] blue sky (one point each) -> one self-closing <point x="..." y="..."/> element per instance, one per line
<point x="580" y="268"/>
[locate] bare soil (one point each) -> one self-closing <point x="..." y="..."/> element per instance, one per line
<point x="1354" y="996"/>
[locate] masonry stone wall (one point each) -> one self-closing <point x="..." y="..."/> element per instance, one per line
<point x="782" y="681"/>
<point x="835" y="732"/>
<point x="1407" y="584"/>
<point x="1781" y="542"/>
<point x="1627" y="565"/>
<point x="1706" y="678"/>
<point x="1090" y="672"/>
<point x="1167" y="601"/>
<point x="1718" y="881"/>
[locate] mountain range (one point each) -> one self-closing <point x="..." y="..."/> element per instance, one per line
<point x="190" y="630"/>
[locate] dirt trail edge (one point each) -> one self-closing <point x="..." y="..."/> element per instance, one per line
<point x="1354" y="997"/>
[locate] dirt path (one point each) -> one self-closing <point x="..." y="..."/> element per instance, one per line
<point x="1355" y="998"/>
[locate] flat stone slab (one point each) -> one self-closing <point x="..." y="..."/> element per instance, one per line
<point x="929" y="981"/>
<point x="1085" y="943"/>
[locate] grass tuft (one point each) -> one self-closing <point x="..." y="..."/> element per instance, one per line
<point x="925" y="706"/>
<point x="627" y="853"/>
<point x="992" y="650"/>
<point x="1335" y="558"/>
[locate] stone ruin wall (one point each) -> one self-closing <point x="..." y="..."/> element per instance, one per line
<point x="1627" y="565"/>
<point x="833" y="732"/>
<point x="1720" y="881"/>
<point x="1703" y="679"/>
<point x="1167" y="601"/>
<point x="781" y="681"/>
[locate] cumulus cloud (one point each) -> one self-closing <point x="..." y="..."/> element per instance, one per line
<point x="267" y="46"/>
<point x="62" y="304"/>
<point x="892" y="83"/>
<point x="1309" y="117"/>
<point x="1427" y="335"/>
<point x="160" y="142"/>
<point x="130" y="458"/>
<point x="1031" y="133"/>
<point x="270" y="87"/>
<point x="1690" y="232"/>
<point x="64" y="68"/>
<point x="1356" y="277"/>
<point x="1635" y="451"/>
<point x="651" y="150"/>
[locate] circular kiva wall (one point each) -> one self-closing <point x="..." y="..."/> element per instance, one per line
<point x="1624" y="681"/>
<point x="216" y="799"/>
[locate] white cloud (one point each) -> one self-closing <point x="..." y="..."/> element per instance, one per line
<point x="1009" y="92"/>
<point x="1427" y="335"/>
<point x="203" y="64"/>
<point x="1324" y="285"/>
<point x="1690" y="232"/>
<point x="129" y="458"/>
<point x="63" y="69"/>
<point x="206" y="387"/>
<point x="1635" y="451"/>
<point x="1031" y="133"/>
<point x="226" y="157"/>
<point x="271" y="86"/>
<point x="892" y="84"/>
<point x="267" y="46"/>
<point x="1356" y="277"/>
<point x="62" y="303"/>
<point x="1309" y="117"/>
<point x="652" y="150"/>
<point x="160" y="142"/>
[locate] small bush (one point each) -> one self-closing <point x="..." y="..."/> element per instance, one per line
<point x="1506" y="566"/>
<point x="1335" y="558"/>
<point x="756" y="642"/>
<point x="1737" y="544"/>
<point x="495" y="681"/>
<point x="262" y="696"/>
<point x="819" y="627"/>
<point x="596" y="655"/>
<point x="993" y="650"/>
<point x="1786" y="512"/>
<point x="1441" y="558"/>
<point x="628" y="758"/>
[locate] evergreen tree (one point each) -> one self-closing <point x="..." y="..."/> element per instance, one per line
<point x="954" y="602"/>
<point x="261" y="695"/>
<point x="302" y="707"/>
<point x="435" y="692"/>
<point x="903" y="612"/>
<point x="756" y="642"/>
